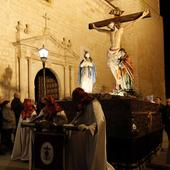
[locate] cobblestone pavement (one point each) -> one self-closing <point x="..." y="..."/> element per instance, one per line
<point x="158" y="162"/>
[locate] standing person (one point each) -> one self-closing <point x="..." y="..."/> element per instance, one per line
<point x="1" y="120"/>
<point x="23" y="139"/>
<point x="17" y="106"/>
<point x="166" y="117"/>
<point x="87" y="73"/>
<point x="166" y="122"/>
<point x="158" y="101"/>
<point x="115" y="32"/>
<point x="8" y="124"/>
<point x="87" y="147"/>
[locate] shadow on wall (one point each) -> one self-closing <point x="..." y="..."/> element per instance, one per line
<point x="5" y="82"/>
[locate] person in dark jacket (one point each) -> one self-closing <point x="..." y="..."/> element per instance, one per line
<point x="8" y="124"/>
<point x="166" y="117"/>
<point x="158" y="101"/>
<point x="2" y="151"/>
<point x="16" y="106"/>
<point x="166" y="123"/>
<point x="1" y="117"/>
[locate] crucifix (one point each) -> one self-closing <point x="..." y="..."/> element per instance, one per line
<point x="47" y="152"/>
<point x="115" y="30"/>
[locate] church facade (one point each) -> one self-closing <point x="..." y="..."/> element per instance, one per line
<point x="62" y="27"/>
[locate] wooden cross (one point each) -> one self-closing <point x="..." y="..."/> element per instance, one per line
<point x="125" y="18"/>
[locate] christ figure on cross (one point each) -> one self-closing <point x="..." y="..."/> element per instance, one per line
<point x="115" y="32"/>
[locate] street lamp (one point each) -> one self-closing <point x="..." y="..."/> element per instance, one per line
<point x="43" y="53"/>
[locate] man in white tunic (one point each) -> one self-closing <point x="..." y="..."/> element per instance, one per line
<point x="87" y="147"/>
<point x="23" y="139"/>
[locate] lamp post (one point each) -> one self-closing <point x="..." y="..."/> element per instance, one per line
<point x="43" y="53"/>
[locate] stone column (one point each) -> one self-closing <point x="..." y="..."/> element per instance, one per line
<point x="30" y="81"/>
<point x="67" y="82"/>
<point x="72" y="78"/>
<point x="23" y="80"/>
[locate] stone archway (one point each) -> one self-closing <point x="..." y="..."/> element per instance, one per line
<point x="52" y="87"/>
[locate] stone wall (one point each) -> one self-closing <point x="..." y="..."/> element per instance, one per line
<point x="69" y="20"/>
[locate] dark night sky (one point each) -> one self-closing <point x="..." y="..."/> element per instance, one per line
<point x="165" y="13"/>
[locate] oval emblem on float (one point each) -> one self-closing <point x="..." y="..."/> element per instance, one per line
<point x="47" y="153"/>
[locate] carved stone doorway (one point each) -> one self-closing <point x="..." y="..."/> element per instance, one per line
<point x="52" y="87"/>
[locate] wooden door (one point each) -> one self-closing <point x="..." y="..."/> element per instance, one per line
<point x="50" y="82"/>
